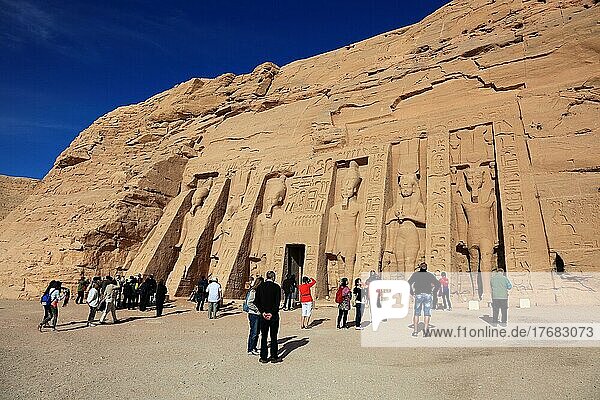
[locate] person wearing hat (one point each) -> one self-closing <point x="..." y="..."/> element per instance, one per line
<point x="214" y="297"/>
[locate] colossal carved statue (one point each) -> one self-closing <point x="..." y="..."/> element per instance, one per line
<point x="201" y="193"/>
<point x="222" y="232"/>
<point x="266" y="224"/>
<point x="402" y="238"/>
<point x="343" y="226"/>
<point x="476" y="217"/>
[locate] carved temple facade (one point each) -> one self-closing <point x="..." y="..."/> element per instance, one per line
<point x="454" y="196"/>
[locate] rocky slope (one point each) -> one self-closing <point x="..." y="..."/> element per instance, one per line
<point x="13" y="191"/>
<point x="109" y="187"/>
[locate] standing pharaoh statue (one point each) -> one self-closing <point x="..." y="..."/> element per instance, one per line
<point x="476" y="217"/>
<point x="343" y="226"/>
<point x="402" y="243"/>
<point x="200" y="194"/>
<point x="266" y="224"/>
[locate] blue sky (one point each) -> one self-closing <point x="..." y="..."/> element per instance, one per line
<point x="65" y="63"/>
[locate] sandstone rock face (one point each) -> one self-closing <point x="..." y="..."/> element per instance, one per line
<point x="13" y="191"/>
<point x="468" y="140"/>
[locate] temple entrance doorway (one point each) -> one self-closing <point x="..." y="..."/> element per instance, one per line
<point x="294" y="262"/>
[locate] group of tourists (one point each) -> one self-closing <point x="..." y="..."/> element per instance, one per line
<point x="263" y="301"/>
<point x="106" y="295"/>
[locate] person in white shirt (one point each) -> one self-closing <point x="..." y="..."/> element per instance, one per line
<point x="214" y="297"/>
<point x="110" y="297"/>
<point x="93" y="301"/>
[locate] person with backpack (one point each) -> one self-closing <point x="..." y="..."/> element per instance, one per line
<point x="54" y="297"/>
<point x="253" y="316"/>
<point x="93" y="301"/>
<point x="45" y="301"/>
<point x="343" y="297"/>
<point x="306" y="300"/>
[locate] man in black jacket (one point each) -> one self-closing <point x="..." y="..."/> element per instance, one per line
<point x="267" y="300"/>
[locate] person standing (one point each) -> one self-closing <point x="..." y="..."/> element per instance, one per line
<point x="253" y="317"/>
<point x="161" y="295"/>
<point x="422" y="284"/>
<point x="500" y="287"/>
<point x="144" y="290"/>
<point x="343" y="298"/>
<point x="289" y="287"/>
<point x="267" y="300"/>
<point x="358" y="303"/>
<point x="151" y="290"/>
<point x="201" y="293"/>
<point x="110" y="298"/>
<point x="214" y="297"/>
<point x="45" y="301"/>
<point x="93" y="301"/>
<point x="306" y="300"/>
<point x="55" y="297"/>
<point x="445" y="289"/>
<point x="81" y="285"/>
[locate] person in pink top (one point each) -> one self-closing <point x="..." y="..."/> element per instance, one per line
<point x="306" y="299"/>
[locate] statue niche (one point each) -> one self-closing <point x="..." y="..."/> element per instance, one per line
<point x="223" y="230"/>
<point x="343" y="227"/>
<point x="402" y="243"/>
<point x="200" y="194"/>
<point x="476" y="215"/>
<point x="266" y="224"/>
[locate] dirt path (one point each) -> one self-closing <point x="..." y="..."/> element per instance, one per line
<point x="183" y="355"/>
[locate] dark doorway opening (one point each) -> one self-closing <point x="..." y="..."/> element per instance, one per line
<point x="294" y="261"/>
<point x="559" y="264"/>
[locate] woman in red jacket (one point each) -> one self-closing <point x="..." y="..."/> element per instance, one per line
<point x="306" y="299"/>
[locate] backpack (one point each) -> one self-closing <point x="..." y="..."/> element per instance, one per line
<point x="245" y="306"/>
<point x="45" y="299"/>
<point x="339" y="297"/>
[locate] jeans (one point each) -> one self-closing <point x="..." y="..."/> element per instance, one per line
<point x="446" y="298"/>
<point x="287" y="303"/>
<point x="212" y="309"/>
<point x="499" y="305"/>
<point x="342" y="316"/>
<point x="423" y="302"/>
<point x="254" y="321"/>
<point x="270" y="327"/>
<point x="359" y="312"/>
<point x="92" y="314"/>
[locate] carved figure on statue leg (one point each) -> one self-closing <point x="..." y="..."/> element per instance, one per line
<point x="402" y="236"/>
<point x="198" y="198"/>
<point x="476" y="218"/>
<point x="266" y="225"/>
<point x="343" y="224"/>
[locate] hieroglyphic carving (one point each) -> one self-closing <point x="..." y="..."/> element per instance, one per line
<point x="514" y="222"/>
<point x="369" y="247"/>
<point x="437" y="242"/>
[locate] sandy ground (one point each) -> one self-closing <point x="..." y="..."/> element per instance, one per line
<point x="183" y="355"/>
